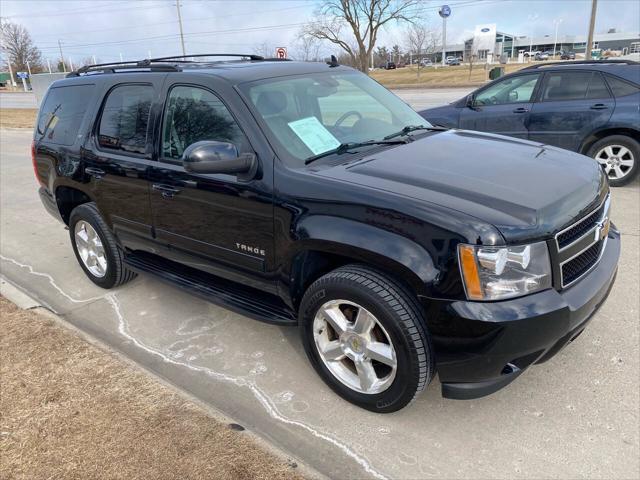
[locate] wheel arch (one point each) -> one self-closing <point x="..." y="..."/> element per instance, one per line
<point x="68" y="198"/>
<point x="609" y="131"/>
<point x="330" y="243"/>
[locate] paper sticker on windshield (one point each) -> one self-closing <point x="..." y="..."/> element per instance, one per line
<point x="314" y="135"/>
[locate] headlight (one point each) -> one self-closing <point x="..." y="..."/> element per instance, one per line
<point x="496" y="273"/>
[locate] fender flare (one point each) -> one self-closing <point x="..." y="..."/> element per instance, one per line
<point x="391" y="252"/>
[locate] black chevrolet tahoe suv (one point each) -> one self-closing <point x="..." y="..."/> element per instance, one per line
<point x="307" y="194"/>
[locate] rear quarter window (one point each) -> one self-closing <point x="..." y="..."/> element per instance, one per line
<point x="620" y="88"/>
<point x="62" y="112"/>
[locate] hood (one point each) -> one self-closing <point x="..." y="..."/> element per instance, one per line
<point x="526" y="190"/>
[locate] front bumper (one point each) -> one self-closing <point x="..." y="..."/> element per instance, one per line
<point x="483" y="346"/>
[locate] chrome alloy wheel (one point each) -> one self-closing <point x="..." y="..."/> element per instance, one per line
<point x="354" y="346"/>
<point x="90" y="249"/>
<point x="617" y="160"/>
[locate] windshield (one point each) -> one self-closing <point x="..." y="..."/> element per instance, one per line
<point x="307" y="115"/>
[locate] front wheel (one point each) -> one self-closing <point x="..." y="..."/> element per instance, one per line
<point x="366" y="337"/>
<point x="618" y="155"/>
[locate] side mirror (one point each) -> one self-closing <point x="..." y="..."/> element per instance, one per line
<point x="209" y="156"/>
<point x="470" y="101"/>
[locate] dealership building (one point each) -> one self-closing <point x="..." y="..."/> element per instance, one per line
<point x="487" y="41"/>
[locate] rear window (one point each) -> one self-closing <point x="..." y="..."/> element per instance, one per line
<point x="620" y="88"/>
<point x="597" y="87"/>
<point x="560" y="86"/>
<point x="62" y="112"/>
<point x="125" y="118"/>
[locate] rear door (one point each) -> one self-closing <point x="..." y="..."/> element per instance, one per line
<point x="119" y="155"/>
<point x="502" y="107"/>
<point x="570" y="106"/>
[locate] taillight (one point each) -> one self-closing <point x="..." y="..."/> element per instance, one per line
<point x="35" y="165"/>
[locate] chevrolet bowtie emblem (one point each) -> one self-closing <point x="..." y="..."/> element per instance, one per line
<point x="602" y="229"/>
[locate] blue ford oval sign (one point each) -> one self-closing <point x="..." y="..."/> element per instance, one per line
<point x="485" y="30"/>
<point x="444" y="11"/>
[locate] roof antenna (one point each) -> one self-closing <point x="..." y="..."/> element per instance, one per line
<point x="333" y="62"/>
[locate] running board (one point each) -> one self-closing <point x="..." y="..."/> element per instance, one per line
<point x="239" y="298"/>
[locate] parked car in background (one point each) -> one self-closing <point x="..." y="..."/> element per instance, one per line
<point x="590" y="107"/>
<point x="425" y="62"/>
<point x="390" y="66"/>
<point x="541" y="56"/>
<point x="452" y="61"/>
<point x="567" y="56"/>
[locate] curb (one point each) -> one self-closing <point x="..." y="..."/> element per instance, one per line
<point x="15" y="295"/>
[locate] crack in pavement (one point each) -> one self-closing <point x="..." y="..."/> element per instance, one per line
<point x="262" y="397"/>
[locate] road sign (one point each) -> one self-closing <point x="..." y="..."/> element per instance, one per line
<point x="22" y="75"/>
<point x="444" y="11"/>
<point x="281" y="52"/>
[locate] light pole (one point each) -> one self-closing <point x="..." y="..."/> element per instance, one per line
<point x="180" y="24"/>
<point x="531" y="18"/>
<point x="555" y="41"/>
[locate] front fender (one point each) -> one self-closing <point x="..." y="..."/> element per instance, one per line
<point x="393" y="253"/>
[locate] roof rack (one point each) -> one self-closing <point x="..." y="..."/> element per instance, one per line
<point x="583" y="62"/>
<point x="250" y="56"/>
<point x="161" y="64"/>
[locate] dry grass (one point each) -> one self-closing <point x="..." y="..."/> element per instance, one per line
<point x="70" y="410"/>
<point x="436" y="77"/>
<point x="18" y="117"/>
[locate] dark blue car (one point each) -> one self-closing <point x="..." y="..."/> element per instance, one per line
<point x="587" y="107"/>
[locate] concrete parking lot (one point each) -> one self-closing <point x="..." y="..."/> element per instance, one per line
<point x="17" y="100"/>
<point x="576" y="416"/>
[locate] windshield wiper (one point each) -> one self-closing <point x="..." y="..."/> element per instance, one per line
<point x="345" y="147"/>
<point x="413" y="128"/>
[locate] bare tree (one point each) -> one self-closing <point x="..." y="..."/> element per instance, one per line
<point x="420" y="40"/>
<point x="307" y="48"/>
<point x="362" y="19"/>
<point x="19" y="49"/>
<point x="264" y="50"/>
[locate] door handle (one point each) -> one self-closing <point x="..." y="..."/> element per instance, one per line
<point x="167" y="191"/>
<point x="95" y="172"/>
<point x="599" y="106"/>
<point x="521" y="110"/>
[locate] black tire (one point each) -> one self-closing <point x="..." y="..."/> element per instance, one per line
<point x="623" y="140"/>
<point x="116" y="272"/>
<point x="397" y="311"/>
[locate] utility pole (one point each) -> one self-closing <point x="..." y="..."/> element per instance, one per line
<point x="64" y="68"/>
<point x="49" y="65"/>
<point x="592" y="25"/>
<point x="180" y="23"/>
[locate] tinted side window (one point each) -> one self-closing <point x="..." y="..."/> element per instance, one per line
<point x="597" y="87"/>
<point x="510" y="90"/>
<point x="62" y="113"/>
<point x="125" y="118"/>
<point x="561" y="86"/>
<point x="193" y="114"/>
<point x="620" y="88"/>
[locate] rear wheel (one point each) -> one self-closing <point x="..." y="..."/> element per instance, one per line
<point x="365" y="336"/>
<point x="96" y="249"/>
<point x="619" y="156"/>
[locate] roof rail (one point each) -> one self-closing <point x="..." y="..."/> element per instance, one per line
<point x="250" y="56"/>
<point x="131" y="65"/>
<point x="583" y="62"/>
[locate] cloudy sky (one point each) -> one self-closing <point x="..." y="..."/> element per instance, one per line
<point x="107" y="29"/>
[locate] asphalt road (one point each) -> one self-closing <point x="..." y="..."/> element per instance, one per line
<point x="575" y="416"/>
<point x="417" y="98"/>
<point x="17" y="100"/>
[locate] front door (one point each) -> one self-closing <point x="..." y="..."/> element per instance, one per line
<point x="117" y="157"/>
<point x="214" y="222"/>
<point x="502" y="107"/>
<point x="572" y="104"/>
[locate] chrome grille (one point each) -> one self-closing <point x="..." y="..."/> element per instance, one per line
<point x="575" y="268"/>
<point x="578" y="230"/>
<point x="581" y="244"/>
